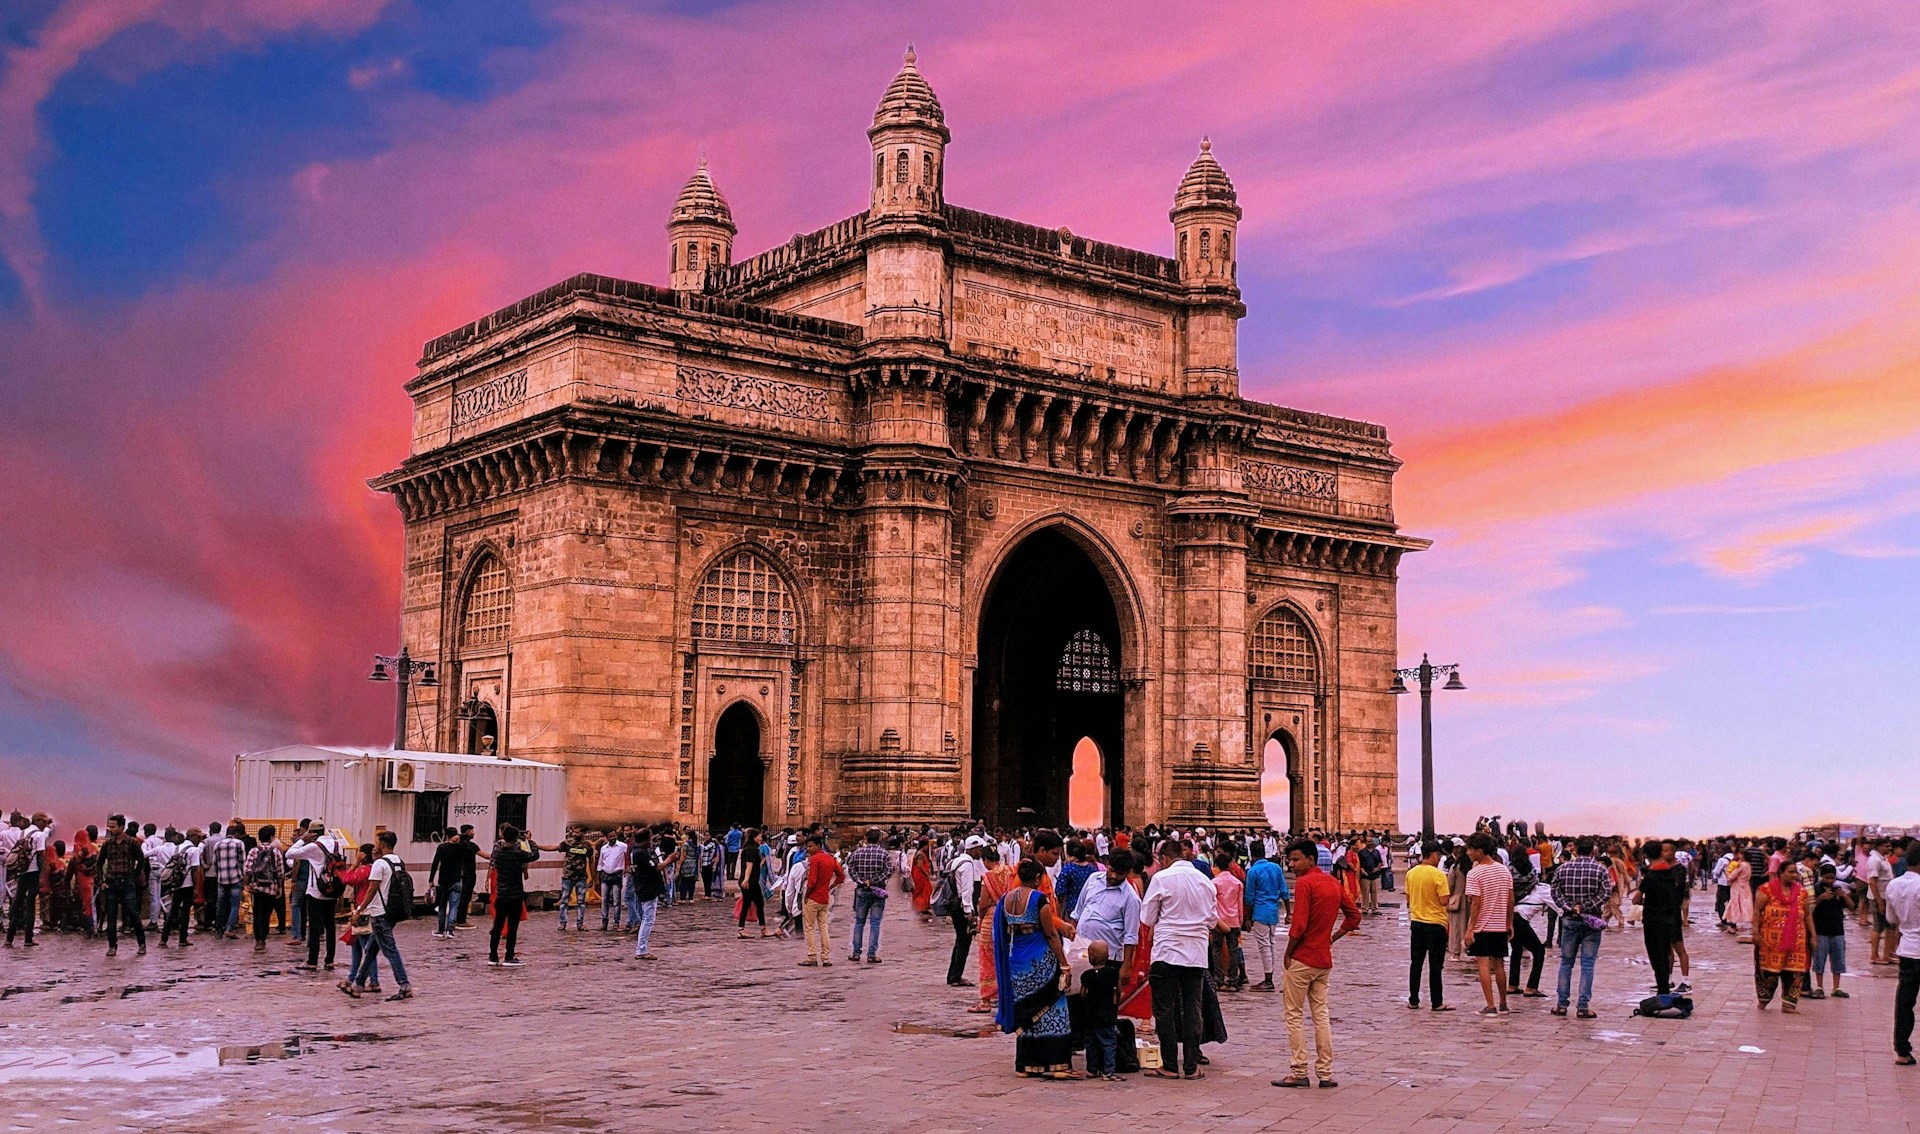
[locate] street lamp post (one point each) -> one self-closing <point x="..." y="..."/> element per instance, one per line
<point x="1425" y="672"/>
<point x="404" y="671"/>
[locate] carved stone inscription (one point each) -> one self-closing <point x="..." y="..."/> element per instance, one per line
<point x="489" y="398"/>
<point x="1064" y="332"/>
<point x="1286" y="480"/>
<point x="764" y="395"/>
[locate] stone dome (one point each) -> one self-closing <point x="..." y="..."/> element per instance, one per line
<point x="909" y="99"/>
<point x="1205" y="184"/>
<point x="700" y="200"/>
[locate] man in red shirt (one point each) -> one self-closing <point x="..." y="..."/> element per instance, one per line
<point x="824" y="876"/>
<point x="1317" y="901"/>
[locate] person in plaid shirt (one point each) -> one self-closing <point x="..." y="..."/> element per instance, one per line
<point x="225" y="860"/>
<point x="869" y="866"/>
<point x="1580" y="888"/>
<point x="123" y="874"/>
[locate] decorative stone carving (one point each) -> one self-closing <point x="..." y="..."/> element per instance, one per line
<point x="489" y="398"/>
<point x="1287" y="480"/>
<point x="762" y="395"/>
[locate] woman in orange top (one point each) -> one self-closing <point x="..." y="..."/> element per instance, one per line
<point x="1000" y="881"/>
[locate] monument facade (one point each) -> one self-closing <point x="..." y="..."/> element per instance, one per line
<point x="880" y="524"/>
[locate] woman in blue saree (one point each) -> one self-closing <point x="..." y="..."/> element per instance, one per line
<point x="1032" y="962"/>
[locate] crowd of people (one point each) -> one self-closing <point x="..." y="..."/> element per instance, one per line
<point x="1072" y="938"/>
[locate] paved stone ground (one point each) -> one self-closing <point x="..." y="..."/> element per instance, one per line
<point x="723" y="1034"/>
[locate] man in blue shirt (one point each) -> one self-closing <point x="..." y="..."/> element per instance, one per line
<point x="735" y="836"/>
<point x="1266" y="890"/>
<point x="1109" y="910"/>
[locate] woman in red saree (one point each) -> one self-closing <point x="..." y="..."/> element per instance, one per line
<point x="1000" y="881"/>
<point x="1782" y="940"/>
<point x="1136" y="998"/>
<point x="80" y="869"/>
<point x="922" y="875"/>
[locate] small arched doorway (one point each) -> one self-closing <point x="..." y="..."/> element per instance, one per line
<point x="736" y="775"/>
<point x="1087" y="787"/>
<point x="482" y="728"/>
<point x="1286" y="804"/>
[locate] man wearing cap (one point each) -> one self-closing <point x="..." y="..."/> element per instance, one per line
<point x="966" y="873"/>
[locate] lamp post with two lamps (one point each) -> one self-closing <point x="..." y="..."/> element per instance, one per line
<point x="406" y="671"/>
<point x="1425" y="672"/>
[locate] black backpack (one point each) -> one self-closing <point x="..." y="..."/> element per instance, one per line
<point x="329" y="884"/>
<point x="399" y="891"/>
<point x="1667" y="1006"/>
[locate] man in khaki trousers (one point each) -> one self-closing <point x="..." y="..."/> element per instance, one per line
<point x="1318" y="900"/>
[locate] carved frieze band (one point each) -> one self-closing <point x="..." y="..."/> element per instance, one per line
<point x="1287" y="480"/>
<point x="489" y="398"/>
<point x="762" y="395"/>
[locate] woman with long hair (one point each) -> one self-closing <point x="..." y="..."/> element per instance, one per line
<point x="753" y="894"/>
<point x="1031" y="959"/>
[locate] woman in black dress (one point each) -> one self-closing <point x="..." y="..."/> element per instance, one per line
<point x="753" y="895"/>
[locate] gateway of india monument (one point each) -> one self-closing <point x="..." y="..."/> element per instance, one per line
<point x="878" y="525"/>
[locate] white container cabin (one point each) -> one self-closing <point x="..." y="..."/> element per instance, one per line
<point x="362" y="791"/>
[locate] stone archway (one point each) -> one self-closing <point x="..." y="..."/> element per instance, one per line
<point x="1289" y="753"/>
<point x="736" y="773"/>
<point x="1048" y="675"/>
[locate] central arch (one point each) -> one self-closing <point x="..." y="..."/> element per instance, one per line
<point x="1048" y="675"/>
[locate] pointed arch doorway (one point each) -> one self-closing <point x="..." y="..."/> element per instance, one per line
<point x="736" y="774"/>
<point x="1048" y="677"/>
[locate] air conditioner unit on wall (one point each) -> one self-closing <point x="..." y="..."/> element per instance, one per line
<point x="402" y="775"/>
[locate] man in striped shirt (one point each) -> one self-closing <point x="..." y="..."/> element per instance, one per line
<point x="1489" y="893"/>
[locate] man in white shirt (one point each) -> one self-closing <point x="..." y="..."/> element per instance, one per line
<point x="1181" y="906"/>
<point x="10" y="832"/>
<point x="160" y="851"/>
<point x="613" y="875"/>
<point x="966" y="873"/>
<point x="374" y="907"/>
<point x="315" y="849"/>
<point x="1902" y="916"/>
<point x="1881" y="938"/>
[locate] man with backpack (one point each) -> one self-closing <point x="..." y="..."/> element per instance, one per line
<point x="321" y="854"/>
<point x="953" y="895"/>
<point x="388" y="900"/>
<point x="266" y="879"/>
<point x="180" y="878"/>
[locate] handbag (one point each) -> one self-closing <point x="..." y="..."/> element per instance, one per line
<point x="360" y="925"/>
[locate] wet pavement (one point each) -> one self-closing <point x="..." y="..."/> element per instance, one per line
<point x="725" y="1034"/>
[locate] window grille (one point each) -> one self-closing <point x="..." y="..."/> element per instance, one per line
<point x="743" y="599"/>
<point x="1281" y="650"/>
<point x="1086" y="665"/>
<point x="488" y="616"/>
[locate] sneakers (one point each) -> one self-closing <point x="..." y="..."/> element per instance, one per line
<point x="513" y="961"/>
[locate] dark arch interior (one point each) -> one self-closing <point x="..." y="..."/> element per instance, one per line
<point x="736" y="777"/>
<point x="1027" y="714"/>
<point x="479" y="726"/>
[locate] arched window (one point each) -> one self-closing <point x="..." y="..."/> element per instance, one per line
<point x="879" y="170"/>
<point x="926" y="169"/>
<point x="713" y="255"/>
<point x="1280" y="649"/>
<point x="1183" y="246"/>
<point x="743" y="599"/>
<point x="693" y="255"/>
<point x="1206" y="245"/>
<point x="673" y="257"/>
<point x="901" y="169"/>
<point x="1086" y="665"/>
<point x="1226" y="246"/>
<point x="486" y="612"/>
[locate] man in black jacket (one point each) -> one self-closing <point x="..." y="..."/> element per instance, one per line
<point x="1661" y="885"/>
<point x="511" y="857"/>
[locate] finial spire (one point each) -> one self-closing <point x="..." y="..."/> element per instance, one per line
<point x="910" y="57"/>
<point x="1206" y="144"/>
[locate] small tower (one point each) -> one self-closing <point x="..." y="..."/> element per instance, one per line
<point x="909" y="136"/>
<point x="699" y="233"/>
<point x="1206" y="213"/>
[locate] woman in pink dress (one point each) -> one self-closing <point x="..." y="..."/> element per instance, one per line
<point x="1739" y="896"/>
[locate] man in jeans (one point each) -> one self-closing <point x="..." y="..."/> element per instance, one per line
<point x="121" y="868"/>
<point x="1182" y="907"/>
<point x="574" y="853"/>
<point x="1581" y="887"/>
<point x="224" y="858"/>
<point x="444" y="878"/>
<point x="869" y="866"/>
<point x="1317" y="901"/>
<point x="374" y="907"/>
<point x="612" y="868"/>
<point x="966" y="872"/>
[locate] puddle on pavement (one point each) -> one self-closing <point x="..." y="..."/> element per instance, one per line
<point x="150" y="1063"/>
<point x="906" y="1029"/>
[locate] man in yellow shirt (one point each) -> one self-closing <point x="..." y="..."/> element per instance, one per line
<point x="1427" y="905"/>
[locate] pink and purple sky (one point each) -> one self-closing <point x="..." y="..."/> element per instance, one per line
<point x="1636" y="288"/>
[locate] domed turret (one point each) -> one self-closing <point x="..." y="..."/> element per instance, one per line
<point x="909" y="100"/>
<point x="909" y="136"/>
<point x="1206" y="213"/>
<point x="699" y="232"/>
